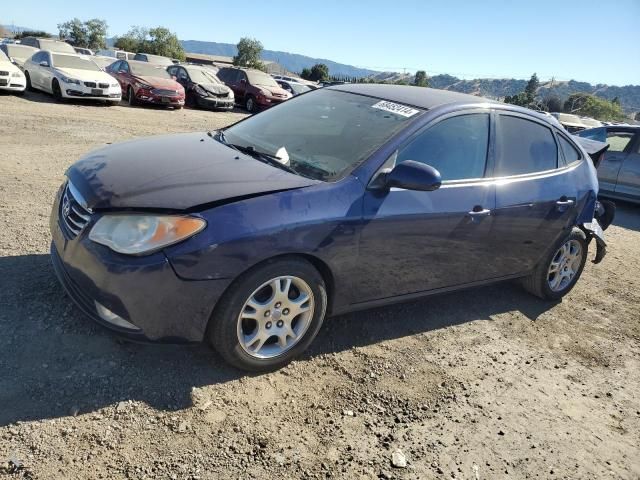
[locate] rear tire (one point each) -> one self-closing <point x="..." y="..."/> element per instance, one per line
<point x="291" y="301"/>
<point x="561" y="268"/>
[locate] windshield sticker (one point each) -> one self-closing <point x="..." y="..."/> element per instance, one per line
<point x="396" y="108"/>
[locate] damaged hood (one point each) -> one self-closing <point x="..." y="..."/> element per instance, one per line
<point x="216" y="89"/>
<point x="174" y="172"/>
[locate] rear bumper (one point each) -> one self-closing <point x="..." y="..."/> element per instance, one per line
<point x="143" y="291"/>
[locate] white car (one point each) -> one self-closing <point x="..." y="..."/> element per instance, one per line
<point x="83" y="51"/>
<point x="17" y="53"/>
<point x="70" y="76"/>
<point x="11" y="77"/>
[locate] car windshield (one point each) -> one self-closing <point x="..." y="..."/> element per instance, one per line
<point x="20" y="51"/>
<point x="3" y="57"/>
<point x="144" y="69"/>
<point x="56" y="46"/>
<point x="200" y="76"/>
<point x="299" y="88"/>
<point x="259" y="78"/>
<point x="323" y="135"/>
<point x="71" y="61"/>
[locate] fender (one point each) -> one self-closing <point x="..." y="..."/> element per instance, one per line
<point x="589" y="224"/>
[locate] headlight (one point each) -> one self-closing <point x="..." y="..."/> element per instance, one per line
<point x="230" y="94"/>
<point x="69" y="80"/>
<point x="143" y="85"/>
<point x="114" y="85"/>
<point x="16" y="74"/>
<point x="201" y="91"/>
<point x="143" y="234"/>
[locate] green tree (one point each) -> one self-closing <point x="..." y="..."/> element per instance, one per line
<point x="163" y="42"/>
<point x="532" y="87"/>
<point x="32" y="33"/>
<point x="249" y="52"/>
<point x="156" y="41"/>
<point x="421" y="79"/>
<point x="90" y="34"/>
<point x="319" y="73"/>
<point x="133" y="40"/>
<point x="306" y="73"/>
<point x="592" y="106"/>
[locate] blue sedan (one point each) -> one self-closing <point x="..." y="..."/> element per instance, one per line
<point x="340" y="199"/>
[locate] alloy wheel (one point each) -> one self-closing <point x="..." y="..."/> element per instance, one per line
<point x="565" y="265"/>
<point x="275" y="317"/>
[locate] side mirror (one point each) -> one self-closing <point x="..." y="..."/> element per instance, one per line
<point x="243" y="80"/>
<point x="410" y="175"/>
<point x="174" y="77"/>
<point x="44" y="63"/>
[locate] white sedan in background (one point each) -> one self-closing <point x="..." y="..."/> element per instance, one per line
<point x="11" y="77"/>
<point x="70" y="76"/>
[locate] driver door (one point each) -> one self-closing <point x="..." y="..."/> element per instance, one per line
<point x="414" y="241"/>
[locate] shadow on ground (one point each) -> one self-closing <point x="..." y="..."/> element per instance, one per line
<point x="627" y="216"/>
<point x="53" y="359"/>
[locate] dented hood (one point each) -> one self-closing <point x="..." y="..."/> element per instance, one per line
<point x="174" y="172"/>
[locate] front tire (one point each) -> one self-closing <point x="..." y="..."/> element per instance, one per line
<point x="250" y="104"/>
<point x="28" y="78"/>
<point x="57" y="91"/>
<point x="559" y="271"/>
<point x="131" y="97"/>
<point x="269" y="315"/>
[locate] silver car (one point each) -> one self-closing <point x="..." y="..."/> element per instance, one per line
<point x="619" y="170"/>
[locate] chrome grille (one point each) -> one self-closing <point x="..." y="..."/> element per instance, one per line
<point x="73" y="215"/>
<point x="90" y="84"/>
<point x="3" y="73"/>
<point x="103" y="85"/>
<point x="160" y="91"/>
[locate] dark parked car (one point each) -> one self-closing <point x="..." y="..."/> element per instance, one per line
<point x="143" y="82"/>
<point x="619" y="170"/>
<point x="202" y="87"/>
<point x="253" y="89"/>
<point x="340" y="199"/>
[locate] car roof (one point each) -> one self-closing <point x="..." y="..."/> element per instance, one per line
<point x="421" y="97"/>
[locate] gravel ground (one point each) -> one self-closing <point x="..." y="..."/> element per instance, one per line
<point x="484" y="384"/>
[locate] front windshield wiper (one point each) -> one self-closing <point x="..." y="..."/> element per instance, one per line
<point x="269" y="158"/>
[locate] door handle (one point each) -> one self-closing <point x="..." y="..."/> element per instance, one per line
<point x="565" y="203"/>
<point x="478" y="212"/>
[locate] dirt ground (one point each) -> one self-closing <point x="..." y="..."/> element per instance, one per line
<point x="484" y="384"/>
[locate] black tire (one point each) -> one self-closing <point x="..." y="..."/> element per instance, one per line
<point x="538" y="282"/>
<point x="223" y="326"/>
<point x="131" y="97"/>
<point x="57" y="92"/>
<point x="28" y="78"/>
<point x="250" y="104"/>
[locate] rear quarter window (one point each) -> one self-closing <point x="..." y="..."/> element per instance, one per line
<point x="523" y="146"/>
<point x="569" y="151"/>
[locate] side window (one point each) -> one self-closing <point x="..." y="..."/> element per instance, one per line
<point x="38" y="57"/>
<point x="171" y="70"/>
<point x="124" y="66"/>
<point x="182" y="74"/>
<point x="569" y="151"/>
<point x="115" y="67"/>
<point x="242" y="76"/>
<point x="618" y="141"/>
<point x="523" y="147"/>
<point x="456" y="147"/>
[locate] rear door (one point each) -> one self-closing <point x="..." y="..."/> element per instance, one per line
<point x="628" y="183"/>
<point x="536" y="194"/>
<point x="620" y="143"/>
<point x="415" y="241"/>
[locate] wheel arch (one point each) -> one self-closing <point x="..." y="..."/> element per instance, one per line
<point x="320" y="265"/>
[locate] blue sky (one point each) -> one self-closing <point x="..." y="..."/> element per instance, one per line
<point x="594" y="41"/>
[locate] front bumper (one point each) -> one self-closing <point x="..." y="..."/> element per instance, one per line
<point x="145" y="96"/>
<point x="112" y="94"/>
<point x="143" y="291"/>
<point x="215" y="102"/>
<point x="13" y="84"/>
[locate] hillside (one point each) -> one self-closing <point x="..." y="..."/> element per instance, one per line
<point x="291" y="61"/>
<point x="629" y="95"/>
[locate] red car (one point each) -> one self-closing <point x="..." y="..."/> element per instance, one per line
<point x="144" y="82"/>
<point x="253" y="89"/>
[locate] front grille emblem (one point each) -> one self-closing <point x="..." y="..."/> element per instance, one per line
<point x="66" y="205"/>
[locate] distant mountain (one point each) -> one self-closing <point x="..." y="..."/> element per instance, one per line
<point x="628" y="95"/>
<point x="291" y="61"/>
